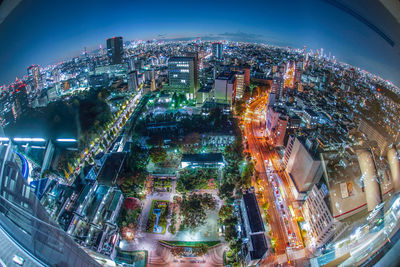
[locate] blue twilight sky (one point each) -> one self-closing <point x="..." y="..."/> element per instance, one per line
<point x="45" y="31"/>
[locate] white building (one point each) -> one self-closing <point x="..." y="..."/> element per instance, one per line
<point x="224" y="88"/>
<point x="318" y="218"/>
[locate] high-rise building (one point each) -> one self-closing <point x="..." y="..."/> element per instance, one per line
<point x="277" y="87"/>
<point x="245" y="69"/>
<point x="181" y="74"/>
<point x="280" y="131"/>
<point x="20" y="97"/>
<point x="115" y="49"/>
<point x="276" y="125"/>
<point x="34" y="77"/>
<point x="149" y="75"/>
<point x="239" y="89"/>
<point x="132" y="81"/>
<point x="131" y="64"/>
<point x="303" y="165"/>
<point x="223" y="88"/>
<point x="217" y="50"/>
<point x="318" y="217"/>
<point x="195" y="55"/>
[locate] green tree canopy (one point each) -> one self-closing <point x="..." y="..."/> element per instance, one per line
<point x="157" y="154"/>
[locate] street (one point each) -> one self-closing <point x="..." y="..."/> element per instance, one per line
<point x="283" y="225"/>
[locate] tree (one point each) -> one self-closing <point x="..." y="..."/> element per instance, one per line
<point x="225" y="212"/>
<point x="248" y="171"/>
<point x="157" y="154"/>
<point x="194" y="207"/>
<point x="230" y="233"/>
<point x="240" y="107"/>
<point x="192" y="179"/>
<point x="131" y="203"/>
<point x="265" y="205"/>
<point x="226" y="189"/>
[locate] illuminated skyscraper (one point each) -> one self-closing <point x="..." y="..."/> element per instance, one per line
<point x="34" y="76"/>
<point x="20" y="98"/>
<point x="181" y="74"/>
<point x="239" y="88"/>
<point x="289" y="75"/>
<point x="132" y="81"/>
<point x="115" y="49"/>
<point x="217" y="50"/>
<point x="195" y="56"/>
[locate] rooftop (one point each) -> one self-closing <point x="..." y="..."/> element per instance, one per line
<point x="226" y="76"/>
<point x="260" y="246"/>
<point x="173" y="59"/>
<point x="110" y="169"/>
<point x="253" y="213"/>
<point x="203" y="158"/>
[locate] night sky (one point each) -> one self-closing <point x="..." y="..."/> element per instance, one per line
<point x="43" y="32"/>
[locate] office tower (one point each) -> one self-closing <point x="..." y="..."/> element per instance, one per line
<point x="298" y="73"/>
<point x="223" y="88"/>
<point x="149" y="75"/>
<point x="239" y="89"/>
<point x="23" y="217"/>
<point x="195" y="55"/>
<point x="131" y="64"/>
<point x="181" y="74"/>
<point x="115" y="49"/>
<point x="132" y="80"/>
<point x="20" y="104"/>
<point x="303" y="164"/>
<point x="34" y="77"/>
<point x="277" y="87"/>
<point x="246" y="70"/>
<point x="139" y="65"/>
<point x="217" y="50"/>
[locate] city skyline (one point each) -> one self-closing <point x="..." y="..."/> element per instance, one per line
<point x="214" y="155"/>
<point x="315" y="24"/>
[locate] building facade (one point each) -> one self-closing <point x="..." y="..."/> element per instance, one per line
<point x="217" y="50"/>
<point x="115" y="49"/>
<point x="316" y="213"/>
<point x="181" y="74"/>
<point x="224" y="88"/>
